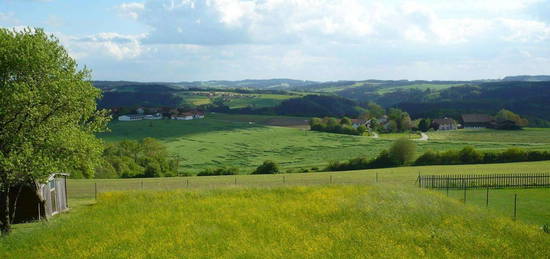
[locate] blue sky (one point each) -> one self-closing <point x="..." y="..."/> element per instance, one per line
<point x="185" y="40"/>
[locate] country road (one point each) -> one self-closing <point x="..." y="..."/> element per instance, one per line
<point x="423" y="137"/>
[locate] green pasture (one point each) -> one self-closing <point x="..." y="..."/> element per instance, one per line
<point x="240" y="100"/>
<point x="419" y="87"/>
<point x="399" y="135"/>
<point x="527" y="135"/>
<point x="533" y="203"/>
<point x="338" y="221"/>
<point x="244" y="141"/>
<point x="258" y="100"/>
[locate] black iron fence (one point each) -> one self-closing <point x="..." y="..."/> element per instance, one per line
<point x="472" y="181"/>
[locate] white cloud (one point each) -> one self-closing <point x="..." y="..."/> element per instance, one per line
<point x="8" y="19"/>
<point x="109" y="45"/>
<point x="219" y="22"/>
<point x="131" y="10"/>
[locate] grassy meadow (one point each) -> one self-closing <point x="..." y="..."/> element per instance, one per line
<point x="525" y="136"/>
<point x="245" y="141"/>
<point x="240" y="101"/>
<point x="533" y="203"/>
<point x="291" y="222"/>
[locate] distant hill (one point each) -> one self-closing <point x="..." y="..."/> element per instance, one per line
<point x="529" y="99"/>
<point x="537" y="78"/>
<point x="525" y="95"/>
<point x="250" y="83"/>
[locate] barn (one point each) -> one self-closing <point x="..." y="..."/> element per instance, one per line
<point x="37" y="201"/>
<point x="475" y="121"/>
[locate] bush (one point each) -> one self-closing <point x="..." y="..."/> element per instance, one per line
<point x="513" y="155"/>
<point x="268" y="167"/>
<point x="490" y="158"/>
<point x="468" y="155"/>
<point x="449" y="157"/>
<point x="383" y="160"/>
<point x="219" y="171"/>
<point x="428" y="158"/>
<point x="402" y="151"/>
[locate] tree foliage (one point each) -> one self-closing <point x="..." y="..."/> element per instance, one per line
<point x="267" y="167"/>
<point x="403" y="151"/>
<point x="131" y="159"/>
<point x="48" y="113"/>
<point x="333" y="125"/>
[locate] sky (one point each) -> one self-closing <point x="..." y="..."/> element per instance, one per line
<point x="321" y="40"/>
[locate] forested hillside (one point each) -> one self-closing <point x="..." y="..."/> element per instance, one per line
<point x="420" y="98"/>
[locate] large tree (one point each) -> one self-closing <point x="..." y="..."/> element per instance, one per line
<point x="48" y="114"/>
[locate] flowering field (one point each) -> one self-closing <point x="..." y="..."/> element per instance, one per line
<point x="298" y="222"/>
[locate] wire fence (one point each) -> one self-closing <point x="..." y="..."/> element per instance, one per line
<point x="473" y="181"/>
<point x="91" y="189"/>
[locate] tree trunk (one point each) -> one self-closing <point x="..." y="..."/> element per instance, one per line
<point x="5" y="227"/>
<point x="14" y="207"/>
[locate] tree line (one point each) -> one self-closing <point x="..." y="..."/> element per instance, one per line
<point x="267" y="167"/>
<point x="334" y="125"/>
<point x="136" y="159"/>
<point x="403" y="153"/>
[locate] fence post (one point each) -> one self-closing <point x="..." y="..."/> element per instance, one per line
<point x="142" y="184"/>
<point x="330" y="179"/>
<point x="95" y="191"/>
<point x="235" y="180"/>
<point x="487" y="198"/>
<point x="284" y="180"/>
<point x="187" y="183"/>
<point x="464" y="186"/>
<point x="376" y="177"/>
<point x="515" y="205"/>
<point x="448" y="186"/>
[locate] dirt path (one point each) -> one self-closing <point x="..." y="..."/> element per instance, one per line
<point x="423" y="137"/>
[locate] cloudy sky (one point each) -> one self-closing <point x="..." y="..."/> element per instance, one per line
<point x="184" y="40"/>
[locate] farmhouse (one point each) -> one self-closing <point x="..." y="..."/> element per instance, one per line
<point x="476" y="121"/>
<point x="445" y="124"/>
<point x="188" y="116"/>
<point x="157" y="116"/>
<point x="131" y="117"/>
<point x="183" y="116"/>
<point x="355" y="123"/>
<point x="36" y="200"/>
<point x="198" y="115"/>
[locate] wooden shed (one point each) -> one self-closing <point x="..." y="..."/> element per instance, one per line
<point x="39" y="200"/>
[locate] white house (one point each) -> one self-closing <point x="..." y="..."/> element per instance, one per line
<point x="157" y="116"/>
<point x="131" y="117"/>
<point x="183" y="116"/>
<point x="355" y="123"/>
<point x="198" y="115"/>
<point x="446" y="124"/>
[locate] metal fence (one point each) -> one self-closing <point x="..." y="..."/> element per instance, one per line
<point x="472" y="181"/>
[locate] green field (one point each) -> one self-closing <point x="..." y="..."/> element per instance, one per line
<point x="419" y="87"/>
<point x="245" y="141"/>
<point x="298" y="222"/>
<point x="240" y="100"/>
<point x="259" y="100"/>
<point x="534" y="205"/>
<point x="528" y="135"/>
<point x="372" y="213"/>
<point x="399" y="135"/>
